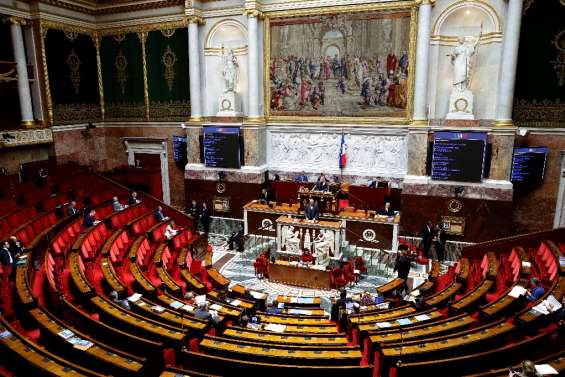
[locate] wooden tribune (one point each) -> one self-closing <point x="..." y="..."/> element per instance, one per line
<point x="284" y="272"/>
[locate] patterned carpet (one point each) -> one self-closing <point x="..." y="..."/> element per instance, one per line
<point x="238" y="267"/>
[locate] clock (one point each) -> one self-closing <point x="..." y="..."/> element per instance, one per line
<point x="454" y="205"/>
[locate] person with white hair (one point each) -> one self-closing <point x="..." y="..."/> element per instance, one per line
<point x="123" y="303"/>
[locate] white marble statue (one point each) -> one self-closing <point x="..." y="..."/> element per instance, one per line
<point x="322" y="247"/>
<point x="292" y="240"/>
<point x="461" y="60"/>
<point x="230" y="72"/>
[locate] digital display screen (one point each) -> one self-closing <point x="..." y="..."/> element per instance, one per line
<point x="528" y="164"/>
<point x="179" y="148"/>
<point x="458" y="156"/>
<point x="221" y="147"/>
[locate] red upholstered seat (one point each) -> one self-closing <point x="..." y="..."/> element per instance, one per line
<point x="360" y="265"/>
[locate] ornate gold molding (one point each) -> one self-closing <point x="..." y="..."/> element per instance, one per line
<point x="74" y="63"/>
<point x="144" y="27"/>
<point x="544" y="113"/>
<point x="143" y="38"/>
<point x="253" y="13"/>
<point x="169" y="59"/>
<point x="69" y="30"/>
<point x="13" y="20"/>
<point x="95" y="8"/>
<point x="559" y="62"/>
<point x="503" y="123"/>
<point x="196" y="20"/>
<point x="27" y="137"/>
<point x="96" y="40"/>
<point x="43" y="28"/>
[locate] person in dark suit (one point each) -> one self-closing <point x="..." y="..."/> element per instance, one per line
<point x="439" y="242"/>
<point x="133" y="198"/>
<point x="312" y="212"/>
<point x="387" y="210"/>
<point x="427" y="235"/>
<point x="16" y="248"/>
<point x="322" y="183"/>
<point x="6" y="257"/>
<point x="159" y="216"/>
<point x="266" y="196"/>
<point x="236" y="238"/>
<point x="194" y="211"/>
<point x="72" y="208"/>
<point x="403" y="264"/>
<point x="302" y="178"/>
<point x="205" y="217"/>
<point x="90" y="219"/>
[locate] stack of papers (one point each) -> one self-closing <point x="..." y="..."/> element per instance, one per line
<point x="300" y="311"/>
<point x="526" y="264"/>
<point x="422" y="317"/>
<point x="235" y="302"/>
<point x="176" y="305"/>
<point x="517" y="291"/>
<point x="383" y="325"/>
<point x="66" y="334"/>
<point x="79" y="343"/>
<point x="188" y="308"/>
<point x="545" y="369"/>
<point x="5" y="334"/>
<point x="257" y="295"/>
<point x="135" y="297"/>
<point x="403" y="321"/>
<point x="200" y="299"/>
<point x="305" y="300"/>
<point x="383" y="305"/>
<point x="158" y="309"/>
<point x="549" y="305"/>
<point x="215" y="307"/>
<point x="275" y="327"/>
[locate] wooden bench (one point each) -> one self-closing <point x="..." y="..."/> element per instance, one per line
<point x="285" y="338"/>
<point x="111" y="278"/>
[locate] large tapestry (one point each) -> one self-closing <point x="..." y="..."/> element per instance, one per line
<point x="73" y="77"/>
<point x="340" y="65"/>
<point x="167" y="74"/>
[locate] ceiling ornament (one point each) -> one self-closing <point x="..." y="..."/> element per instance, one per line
<point x="168" y="33"/>
<point x="559" y="62"/>
<point x="71" y="35"/>
<point x="119" y="37"/>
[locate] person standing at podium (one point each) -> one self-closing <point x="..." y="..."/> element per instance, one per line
<point x="312" y="212"/>
<point x="322" y="184"/>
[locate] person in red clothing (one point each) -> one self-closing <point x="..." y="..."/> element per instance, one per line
<point x="307" y="257"/>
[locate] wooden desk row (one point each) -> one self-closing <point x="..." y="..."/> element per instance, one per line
<point x="285" y="338"/>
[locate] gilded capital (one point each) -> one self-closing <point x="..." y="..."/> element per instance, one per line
<point x="253" y="13"/>
<point x="13" y="20"/>
<point x="196" y="20"/>
<point x="425" y="2"/>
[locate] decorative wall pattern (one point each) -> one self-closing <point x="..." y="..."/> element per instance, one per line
<point x="122" y="73"/>
<point x="73" y="77"/>
<point x="367" y="154"/>
<point x="167" y="74"/>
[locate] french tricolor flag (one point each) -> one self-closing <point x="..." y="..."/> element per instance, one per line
<point x="342" y="153"/>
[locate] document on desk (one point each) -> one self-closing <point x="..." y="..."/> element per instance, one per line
<point x="215" y="307"/>
<point x="403" y="321"/>
<point x="422" y="317"/>
<point x="517" y="291"/>
<point x="176" y="305"/>
<point x="383" y="325"/>
<point x="275" y="327"/>
<point x="545" y="369"/>
<point x="135" y="297"/>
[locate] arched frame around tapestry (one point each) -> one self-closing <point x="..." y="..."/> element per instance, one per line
<point x="389" y="6"/>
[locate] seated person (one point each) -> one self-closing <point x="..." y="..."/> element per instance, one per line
<point x="116" y="205"/>
<point x="367" y="299"/>
<point x="306" y="257"/>
<point x="170" y="231"/>
<point x="72" y="208"/>
<point x="202" y="312"/>
<point x="302" y="178"/>
<point x="536" y="292"/>
<point x="237" y="239"/>
<point x="275" y="308"/>
<point x="244" y="321"/>
<point x="528" y="370"/>
<point x="373" y="183"/>
<point x="387" y="211"/>
<point x="159" y="216"/>
<point x="265" y="196"/>
<point x="189" y="297"/>
<point x="123" y="303"/>
<point x="16" y="247"/>
<point x="90" y="219"/>
<point x="311" y="211"/>
<point x="322" y="184"/>
<point x="133" y="198"/>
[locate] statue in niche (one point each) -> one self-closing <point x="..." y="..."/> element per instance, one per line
<point x="230" y="71"/>
<point x="461" y="60"/>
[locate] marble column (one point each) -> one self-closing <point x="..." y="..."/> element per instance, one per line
<point x="255" y="140"/>
<point x="193" y="144"/>
<point x="194" y="67"/>
<point x="508" y="63"/>
<point x="253" y="63"/>
<point x="417" y="145"/>
<point x="422" y="59"/>
<point x="502" y="141"/>
<point x="24" y="92"/>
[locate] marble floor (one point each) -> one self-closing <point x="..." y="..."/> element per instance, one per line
<point x="239" y="269"/>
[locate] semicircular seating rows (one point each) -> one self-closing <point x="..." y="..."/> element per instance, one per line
<point x="60" y="315"/>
